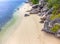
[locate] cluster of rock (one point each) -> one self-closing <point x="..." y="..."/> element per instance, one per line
<point x="48" y="24"/>
<point x="42" y="10"/>
<point x="35" y="9"/>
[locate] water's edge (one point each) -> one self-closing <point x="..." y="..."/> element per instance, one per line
<point x="10" y="24"/>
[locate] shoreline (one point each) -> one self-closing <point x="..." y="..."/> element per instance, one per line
<point x="18" y="12"/>
<point x="14" y="15"/>
<point x="28" y="31"/>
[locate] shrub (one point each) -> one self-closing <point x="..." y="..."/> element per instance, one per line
<point x="55" y="28"/>
<point x="35" y="1"/>
<point x="52" y="17"/>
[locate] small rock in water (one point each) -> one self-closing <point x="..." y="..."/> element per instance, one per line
<point x="26" y="2"/>
<point x="17" y="8"/>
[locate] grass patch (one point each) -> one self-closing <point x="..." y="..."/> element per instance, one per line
<point x="55" y="28"/>
<point x="52" y="17"/>
<point x="35" y="1"/>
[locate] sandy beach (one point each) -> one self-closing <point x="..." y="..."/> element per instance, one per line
<point x="28" y="31"/>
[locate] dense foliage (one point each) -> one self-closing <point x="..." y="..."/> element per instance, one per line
<point x="54" y="16"/>
<point x="55" y="28"/>
<point x="56" y="12"/>
<point x="35" y="1"/>
<point x="55" y="4"/>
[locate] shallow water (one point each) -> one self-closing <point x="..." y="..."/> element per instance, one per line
<point x="7" y="8"/>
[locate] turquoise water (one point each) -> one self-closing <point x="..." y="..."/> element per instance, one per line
<point x="7" y="8"/>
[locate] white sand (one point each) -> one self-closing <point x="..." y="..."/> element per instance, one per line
<point x="29" y="31"/>
<point x="22" y="10"/>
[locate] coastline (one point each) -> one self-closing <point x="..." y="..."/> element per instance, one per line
<point x="11" y="29"/>
<point x="15" y="16"/>
<point x="29" y="30"/>
<point x="13" y="20"/>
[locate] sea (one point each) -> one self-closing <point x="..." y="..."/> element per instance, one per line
<point x="7" y="8"/>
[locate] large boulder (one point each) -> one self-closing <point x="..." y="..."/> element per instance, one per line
<point x="53" y="22"/>
<point x="34" y="11"/>
<point x="49" y="24"/>
<point x="35" y="6"/>
<point x="46" y="25"/>
<point x="49" y="11"/>
<point x="47" y="28"/>
<point x="57" y="20"/>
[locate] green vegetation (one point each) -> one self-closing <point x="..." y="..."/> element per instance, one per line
<point x="35" y="1"/>
<point x="54" y="16"/>
<point x="53" y="3"/>
<point x="56" y="5"/>
<point x="55" y="28"/>
<point x="56" y="12"/>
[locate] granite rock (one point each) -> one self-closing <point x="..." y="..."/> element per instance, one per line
<point x="26" y="15"/>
